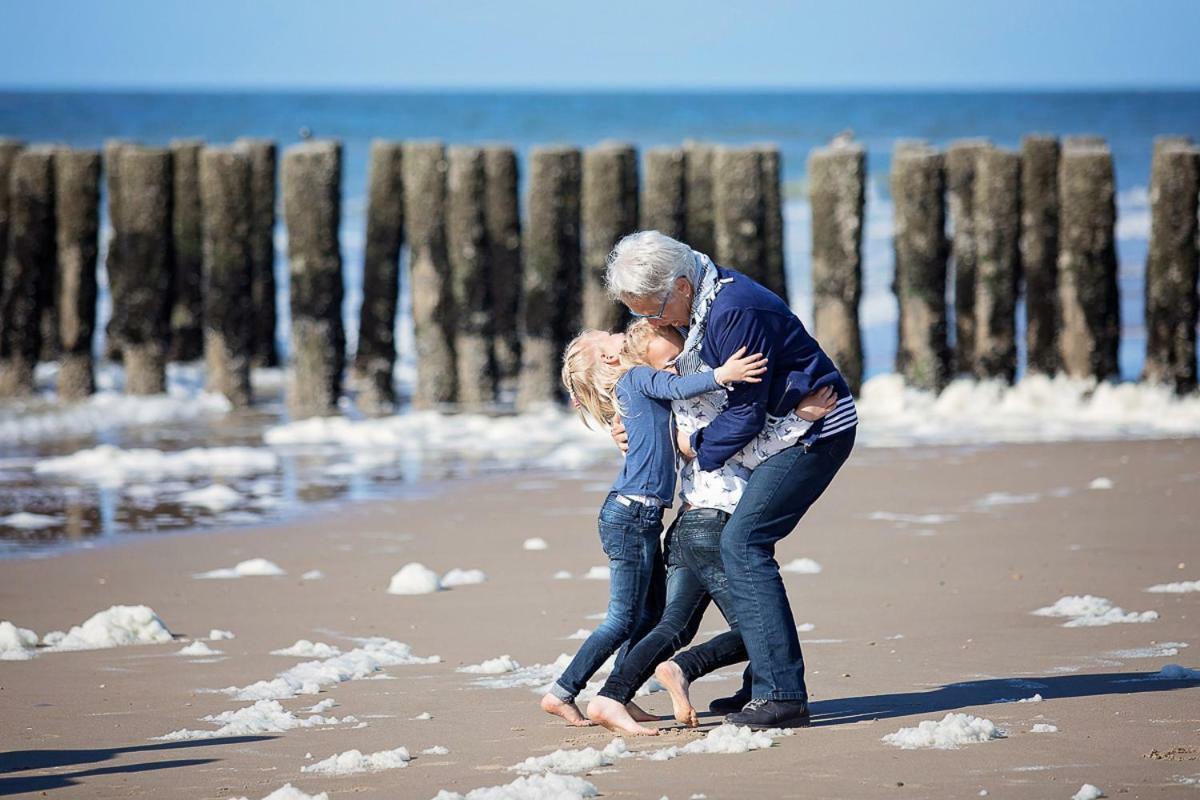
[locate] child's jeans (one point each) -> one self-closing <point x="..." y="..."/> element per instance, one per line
<point x="629" y="534"/>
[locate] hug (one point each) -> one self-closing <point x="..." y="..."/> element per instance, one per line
<point x="716" y="374"/>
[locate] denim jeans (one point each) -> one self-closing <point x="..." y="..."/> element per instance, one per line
<point x="694" y="577"/>
<point x="777" y="495"/>
<point x="629" y="535"/>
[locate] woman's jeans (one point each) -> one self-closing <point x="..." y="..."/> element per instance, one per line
<point x="694" y="576"/>
<point x="777" y="495"/>
<point x="629" y="535"/>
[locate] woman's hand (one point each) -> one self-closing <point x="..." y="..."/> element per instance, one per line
<point x="617" y="431"/>
<point x="816" y="405"/>
<point x="683" y="441"/>
<point x="741" y="368"/>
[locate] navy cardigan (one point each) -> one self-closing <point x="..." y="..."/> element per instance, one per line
<point x="747" y="313"/>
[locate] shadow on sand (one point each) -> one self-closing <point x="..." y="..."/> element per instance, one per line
<point x="22" y="760"/>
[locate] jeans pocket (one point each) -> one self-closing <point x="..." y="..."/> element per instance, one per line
<point x="613" y="540"/>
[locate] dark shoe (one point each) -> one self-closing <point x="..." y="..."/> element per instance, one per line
<point x="764" y="714"/>
<point x="729" y="705"/>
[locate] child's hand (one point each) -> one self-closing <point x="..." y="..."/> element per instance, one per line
<point x="816" y="405"/>
<point x="741" y="368"/>
<point x="683" y="440"/>
<point x="617" y="431"/>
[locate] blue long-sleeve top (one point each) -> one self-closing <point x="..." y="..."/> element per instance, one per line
<point x="745" y="313"/>
<point x="644" y="398"/>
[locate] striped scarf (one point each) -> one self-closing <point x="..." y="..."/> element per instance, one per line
<point x="706" y="283"/>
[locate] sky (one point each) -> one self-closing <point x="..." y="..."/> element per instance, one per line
<point x="618" y="44"/>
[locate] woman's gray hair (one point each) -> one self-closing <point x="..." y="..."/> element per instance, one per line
<point x="646" y="264"/>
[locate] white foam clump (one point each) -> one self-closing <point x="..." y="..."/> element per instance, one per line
<point x="354" y="761"/>
<point x="311" y="677"/>
<point x="108" y="465"/>
<point x="568" y="762"/>
<point x="562" y="575"/>
<point x="251" y="568"/>
<point x="1101" y="484"/>
<point x="414" y="578"/>
<point x="535" y="676"/>
<point x="1088" y="792"/>
<point x="948" y="733"/>
<point x="216" y="634"/>
<point x="1037" y="698"/>
<point x="1086" y="611"/>
<point x="114" y="627"/>
<point x="1179" y="587"/>
<point x="550" y="786"/>
<point x="463" y="577"/>
<point x="215" y="497"/>
<point x="104" y="411"/>
<point x="16" y="644"/>
<point x="1042" y="727"/>
<point x="1037" y="409"/>
<point x="1155" y="650"/>
<point x="801" y="566"/>
<point x="312" y="575"/>
<point x="493" y="666"/>
<point x="303" y="648"/>
<point x="436" y="750"/>
<point x="536" y="543"/>
<point x="598" y="574"/>
<point x="911" y="519"/>
<point x="264" y="716"/>
<point x="289" y="792"/>
<point x="198" y="648"/>
<point x="28" y="521"/>
<point x="550" y="437"/>
<point x="323" y="706"/>
<point x="725" y="738"/>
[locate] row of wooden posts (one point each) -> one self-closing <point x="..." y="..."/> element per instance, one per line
<point x="495" y="297"/>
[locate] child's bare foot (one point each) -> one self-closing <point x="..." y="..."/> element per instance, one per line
<point x="640" y="714"/>
<point x="671" y="676"/>
<point x="616" y="718"/>
<point x="568" y="711"/>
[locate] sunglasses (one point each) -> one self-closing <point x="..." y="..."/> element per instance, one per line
<point x="662" y="310"/>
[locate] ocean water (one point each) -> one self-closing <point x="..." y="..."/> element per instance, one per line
<point x="115" y="467"/>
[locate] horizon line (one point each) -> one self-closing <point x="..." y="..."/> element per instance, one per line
<point x="998" y="88"/>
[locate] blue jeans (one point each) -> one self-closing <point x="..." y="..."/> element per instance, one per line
<point x="694" y="577"/>
<point x="777" y="495"/>
<point x="629" y="535"/>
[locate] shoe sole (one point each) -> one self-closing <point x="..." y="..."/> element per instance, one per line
<point x="804" y="723"/>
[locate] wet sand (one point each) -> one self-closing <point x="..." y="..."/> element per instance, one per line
<point x="959" y="591"/>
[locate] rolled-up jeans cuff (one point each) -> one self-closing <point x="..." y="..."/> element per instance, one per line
<point x="562" y="694"/>
<point x="620" y="694"/>
<point x="786" y="696"/>
<point x="687" y="664"/>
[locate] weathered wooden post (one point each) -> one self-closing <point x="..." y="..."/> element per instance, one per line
<point x="1171" y="265"/>
<point x="312" y="183"/>
<point x="262" y="155"/>
<point x="1039" y="251"/>
<point x="1090" y="326"/>
<point x="739" y="209"/>
<point x="550" y="298"/>
<point x="502" y="216"/>
<point x="837" y="191"/>
<point x="700" y="229"/>
<point x="9" y="148"/>
<point x="470" y="270"/>
<point x="77" y="226"/>
<point x="139" y="262"/>
<point x="29" y="263"/>
<point x="228" y="273"/>
<point x="609" y="211"/>
<point x="187" y="311"/>
<point x="8" y="154"/>
<point x="997" y="239"/>
<point x="429" y="272"/>
<point x="917" y="182"/>
<point x="774" y="271"/>
<point x="960" y="202"/>
<point x="375" y="358"/>
<point x="664" y="198"/>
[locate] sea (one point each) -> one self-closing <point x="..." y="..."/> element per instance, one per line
<point x="185" y="461"/>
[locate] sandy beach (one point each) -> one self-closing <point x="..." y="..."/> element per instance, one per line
<point x="931" y="562"/>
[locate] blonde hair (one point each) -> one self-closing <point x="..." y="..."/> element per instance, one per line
<point x="591" y="382"/>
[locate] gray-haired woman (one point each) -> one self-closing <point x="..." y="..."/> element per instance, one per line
<point x="665" y="281"/>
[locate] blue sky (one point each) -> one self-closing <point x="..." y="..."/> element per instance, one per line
<point x="610" y="43"/>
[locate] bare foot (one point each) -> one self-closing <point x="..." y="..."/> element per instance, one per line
<point x="616" y="718"/>
<point x="671" y="676"/>
<point x="568" y="711"/>
<point x="640" y="714"/>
